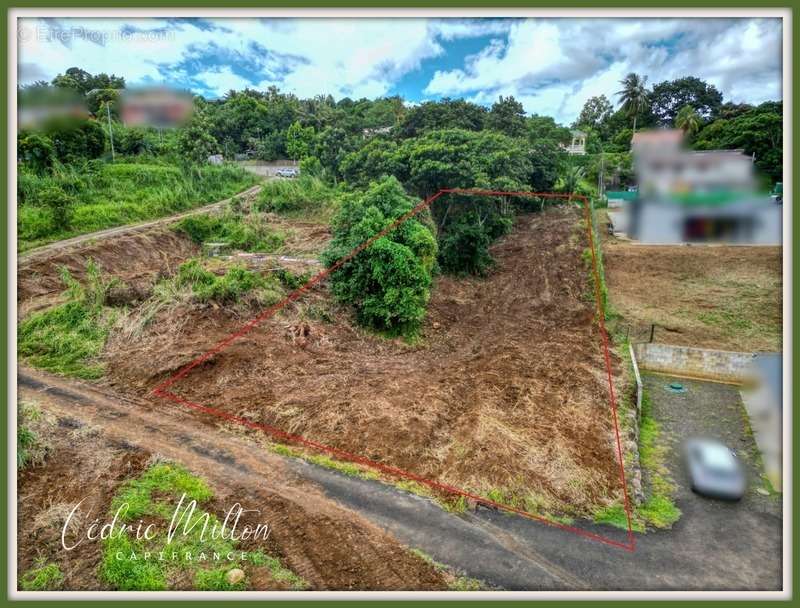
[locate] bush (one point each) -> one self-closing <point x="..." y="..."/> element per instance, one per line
<point x="229" y="288"/>
<point x="467" y="226"/>
<point x="464" y="248"/>
<point x="388" y="283"/>
<point x="36" y="151"/>
<point x="74" y="139"/>
<point x="60" y="206"/>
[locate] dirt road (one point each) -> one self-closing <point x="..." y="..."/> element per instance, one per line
<point x="48" y="250"/>
<point x="333" y="546"/>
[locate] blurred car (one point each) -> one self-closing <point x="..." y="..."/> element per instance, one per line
<point x="714" y="469"/>
<point x="287" y="173"/>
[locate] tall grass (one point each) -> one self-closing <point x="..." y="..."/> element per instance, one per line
<point x="105" y="195"/>
<point x="307" y="196"/>
<point x="68" y="338"/>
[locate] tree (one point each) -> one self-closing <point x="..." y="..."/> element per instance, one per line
<point x="375" y="159"/>
<point x="507" y="116"/>
<point x="444" y="114"/>
<point x="35" y="150"/>
<point x="388" y="283"/>
<point x="299" y="140"/>
<point x="633" y="96"/>
<point x="195" y="141"/>
<point x="758" y="132"/>
<point x="573" y="178"/>
<point x="595" y="114"/>
<point x="688" y="120"/>
<point x="75" y="138"/>
<point x="668" y="97"/>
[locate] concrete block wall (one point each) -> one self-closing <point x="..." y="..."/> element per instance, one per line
<point x="720" y="365"/>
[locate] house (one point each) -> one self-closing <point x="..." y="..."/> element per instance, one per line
<point x="697" y="196"/>
<point x="578" y="143"/>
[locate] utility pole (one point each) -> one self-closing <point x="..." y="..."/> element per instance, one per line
<point x="110" y="132"/>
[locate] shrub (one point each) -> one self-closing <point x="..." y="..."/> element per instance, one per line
<point x="467" y="226"/>
<point x="36" y="151"/>
<point x="388" y="283"/>
<point x="74" y="139"/>
<point x="60" y="205"/>
<point x="465" y="247"/>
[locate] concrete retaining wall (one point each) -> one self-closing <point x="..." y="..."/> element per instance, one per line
<point x="719" y="365"/>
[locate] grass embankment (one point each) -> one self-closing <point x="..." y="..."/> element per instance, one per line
<point x="308" y="198"/>
<point x="194" y="557"/>
<point x="70" y="200"/>
<point x="68" y="338"/>
<point x="658" y="509"/>
<point x="233" y="230"/>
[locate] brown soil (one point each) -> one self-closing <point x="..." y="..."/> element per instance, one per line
<point x="137" y="260"/>
<point x="722" y="297"/>
<point x="98" y="441"/>
<point x="506" y="390"/>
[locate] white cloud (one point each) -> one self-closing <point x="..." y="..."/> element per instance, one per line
<point x="551" y="65"/>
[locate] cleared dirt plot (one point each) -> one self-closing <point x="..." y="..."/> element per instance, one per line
<point x="722" y="297"/>
<point x="504" y="394"/>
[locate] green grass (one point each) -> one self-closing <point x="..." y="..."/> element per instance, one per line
<point x="105" y="195"/>
<point x="658" y="510"/>
<point x="242" y="232"/>
<point x="42" y="577"/>
<point x="68" y="338"/>
<point x="307" y="197"/>
<point x="347" y="468"/>
<point x="153" y="497"/>
<point x="32" y="448"/>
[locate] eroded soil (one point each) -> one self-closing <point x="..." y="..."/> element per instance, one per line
<point x="505" y="392"/>
<point x="97" y="442"/>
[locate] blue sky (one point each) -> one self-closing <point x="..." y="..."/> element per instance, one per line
<point x="551" y="65"/>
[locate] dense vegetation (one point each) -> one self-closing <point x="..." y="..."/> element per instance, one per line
<point x="363" y="163"/>
<point x="389" y="282"/>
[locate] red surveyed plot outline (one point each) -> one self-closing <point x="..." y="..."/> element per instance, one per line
<point x="161" y="389"/>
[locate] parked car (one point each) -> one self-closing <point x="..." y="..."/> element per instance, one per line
<point x="287" y="172"/>
<point x="714" y="469"/>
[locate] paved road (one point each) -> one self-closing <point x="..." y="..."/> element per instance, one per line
<point x="46" y="250"/>
<point x="715" y="546"/>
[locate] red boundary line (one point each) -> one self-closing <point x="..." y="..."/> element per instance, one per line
<point x="161" y="389"/>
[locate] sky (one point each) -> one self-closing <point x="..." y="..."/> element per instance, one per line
<point x="552" y="66"/>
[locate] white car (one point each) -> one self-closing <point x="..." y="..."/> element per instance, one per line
<point x="714" y="469"/>
<point x="287" y="173"/>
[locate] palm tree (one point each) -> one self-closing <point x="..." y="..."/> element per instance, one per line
<point x="688" y="120"/>
<point x="633" y="96"/>
<point x="572" y="179"/>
